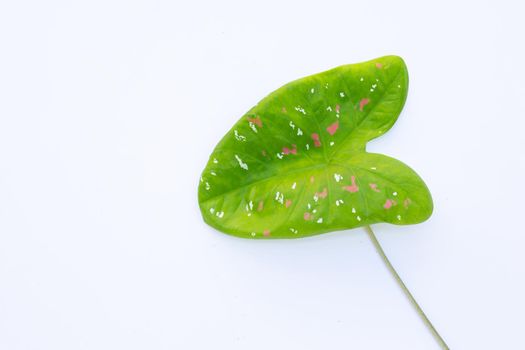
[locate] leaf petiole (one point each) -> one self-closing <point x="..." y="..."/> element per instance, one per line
<point x="401" y="284"/>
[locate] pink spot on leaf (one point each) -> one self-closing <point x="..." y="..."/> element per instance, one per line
<point x="333" y="128"/>
<point x="337" y="108"/>
<point x="260" y="207"/>
<point x="363" y="103"/>
<point x="257" y="121"/>
<point x="307" y="216"/>
<point x="315" y="137"/>
<point x="266" y="233"/>
<point x="407" y="202"/>
<point x="379" y="65"/>
<point x="374" y="187"/>
<point x="389" y="203"/>
<point x="322" y="194"/>
<point x="288" y="203"/>
<point x="287" y="150"/>
<point x="353" y="187"/>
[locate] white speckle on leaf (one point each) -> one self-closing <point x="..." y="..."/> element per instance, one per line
<point x="300" y="109"/>
<point x="309" y="206"/>
<point x="241" y="163"/>
<point x="279" y="197"/>
<point x="312" y="90"/>
<point x="374" y="86"/>
<point x="213" y="173"/>
<point x="280" y="155"/>
<point x="314" y="211"/>
<point x="399" y="217"/>
<point x="316" y="198"/>
<point x="361" y="79"/>
<point x="299" y="132"/>
<point x="294" y="231"/>
<point x="320" y="220"/>
<point x="207" y="186"/>
<point x="238" y="136"/>
<point x="252" y="126"/>
<point x="394" y="194"/>
<point x="253" y="234"/>
<point x="215" y="160"/>
<point x="250" y="205"/>
<point x="292" y="125"/>
<point x="219" y="214"/>
<point x="399" y="86"/>
<point x="353" y="210"/>
<point x="293" y="185"/>
<point x="342" y="94"/>
<point x="212" y="210"/>
<point x="373" y="168"/>
<point x="332" y="143"/>
<point x="358" y="218"/>
<point x="307" y="146"/>
<point x="329" y="108"/>
<point x="337" y="177"/>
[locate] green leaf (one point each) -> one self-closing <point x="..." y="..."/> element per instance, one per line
<point x="296" y="164"/>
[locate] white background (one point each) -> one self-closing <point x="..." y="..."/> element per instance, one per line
<point x="109" y="110"/>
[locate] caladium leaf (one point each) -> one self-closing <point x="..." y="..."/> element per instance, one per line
<point x="296" y="164"/>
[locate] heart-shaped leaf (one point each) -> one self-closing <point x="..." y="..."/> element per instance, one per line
<point x="296" y="164"/>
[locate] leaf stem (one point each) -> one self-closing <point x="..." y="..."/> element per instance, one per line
<point x="399" y="281"/>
